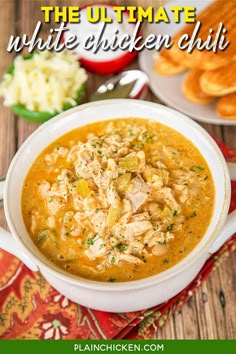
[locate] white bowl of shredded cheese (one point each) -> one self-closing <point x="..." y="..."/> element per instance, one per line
<point x="43" y="84"/>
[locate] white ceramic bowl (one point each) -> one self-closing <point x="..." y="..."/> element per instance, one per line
<point x="129" y="296"/>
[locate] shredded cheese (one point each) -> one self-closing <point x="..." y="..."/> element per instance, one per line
<point x="44" y="83"/>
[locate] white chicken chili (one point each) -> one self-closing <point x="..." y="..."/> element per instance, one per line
<point x="118" y="200"/>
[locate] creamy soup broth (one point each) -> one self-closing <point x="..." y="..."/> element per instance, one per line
<point x="118" y="200"/>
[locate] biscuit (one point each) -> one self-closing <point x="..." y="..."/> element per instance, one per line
<point x="219" y="82"/>
<point x="226" y="107"/>
<point x="210" y="17"/>
<point x="192" y="90"/>
<point x="165" y="66"/>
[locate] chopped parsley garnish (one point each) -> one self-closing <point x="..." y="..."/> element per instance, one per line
<point x="149" y="139"/>
<point x="165" y="261"/>
<point x="193" y="214"/>
<point x="131" y="133"/>
<point x="175" y="212"/>
<point x="138" y="146"/>
<point x="112" y="261"/>
<point x="112" y="280"/>
<point x="121" y="247"/>
<point x="90" y="241"/>
<point x="196" y="168"/>
<point x="170" y="227"/>
<point x="144" y="259"/>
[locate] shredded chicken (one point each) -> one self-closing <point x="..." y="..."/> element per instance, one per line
<point x="97" y="249"/>
<point x="51" y="159"/>
<point x="138" y="193"/>
<point x="125" y="206"/>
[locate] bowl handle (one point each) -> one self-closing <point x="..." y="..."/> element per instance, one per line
<point x="9" y="244"/>
<point x="228" y="230"/>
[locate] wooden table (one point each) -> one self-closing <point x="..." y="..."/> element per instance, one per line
<point x="211" y="311"/>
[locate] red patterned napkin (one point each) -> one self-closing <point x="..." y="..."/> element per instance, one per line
<point x="30" y="308"/>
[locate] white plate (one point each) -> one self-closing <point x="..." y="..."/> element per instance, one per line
<point x="168" y="88"/>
